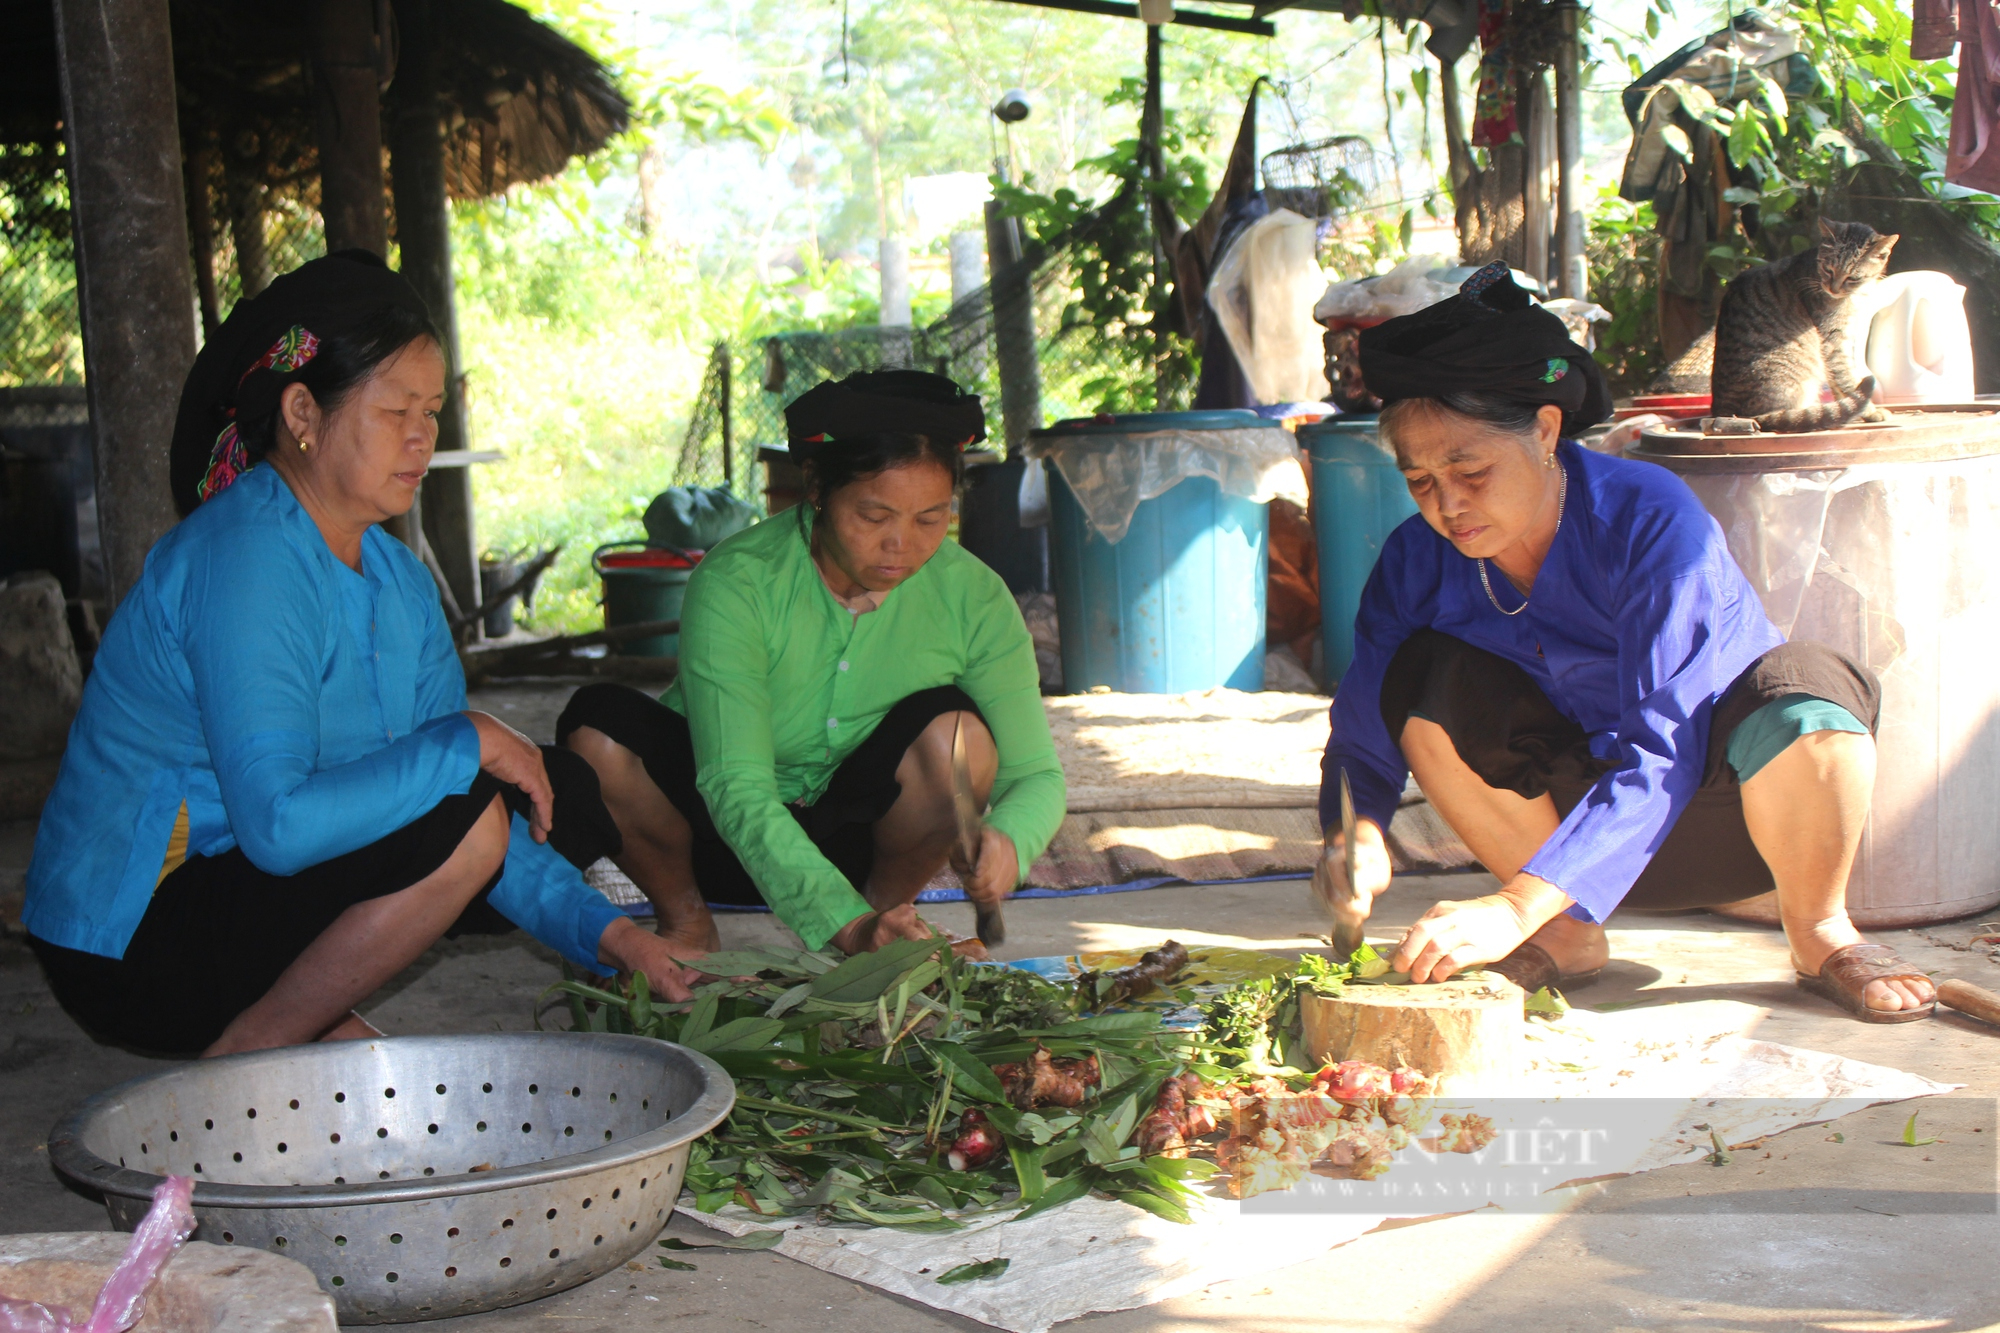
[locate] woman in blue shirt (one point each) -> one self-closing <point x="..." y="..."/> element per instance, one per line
<point x="274" y="797"/>
<point x="1562" y="651"/>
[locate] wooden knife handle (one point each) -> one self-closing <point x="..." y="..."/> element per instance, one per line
<point x="1970" y="999"/>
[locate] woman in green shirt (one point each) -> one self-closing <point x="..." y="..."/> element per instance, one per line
<point x="802" y="759"/>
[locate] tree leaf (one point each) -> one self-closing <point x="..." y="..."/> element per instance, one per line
<point x="699" y="1020"/>
<point x="790" y="1000"/>
<point x="755" y="1240"/>
<point x="1910" y="1139"/>
<point x="972" y="1272"/>
<point x="866" y="977"/>
<point x="738" y="1034"/>
<point x="1028" y="1171"/>
<point x="1171" y="1209"/>
<point x="675" y="1264"/>
<point x="1067" y="1190"/>
<point x="971" y="1074"/>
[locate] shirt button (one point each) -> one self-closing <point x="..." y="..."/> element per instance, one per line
<point x="832" y="722"/>
<point x="843" y="666"/>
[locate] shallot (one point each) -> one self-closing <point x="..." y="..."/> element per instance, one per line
<point x="978" y="1142"/>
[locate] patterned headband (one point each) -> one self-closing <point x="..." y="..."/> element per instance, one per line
<point x="229" y="460"/>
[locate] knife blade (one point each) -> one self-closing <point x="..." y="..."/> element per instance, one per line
<point x="1347" y="915"/>
<point x="990" y="926"/>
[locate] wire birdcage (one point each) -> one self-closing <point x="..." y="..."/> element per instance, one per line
<point x="1327" y="178"/>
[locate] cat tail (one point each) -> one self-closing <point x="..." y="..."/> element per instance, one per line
<point x="1821" y="416"/>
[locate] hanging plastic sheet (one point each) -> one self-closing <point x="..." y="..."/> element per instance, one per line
<point x="1262" y="295"/>
<point x="1113" y="474"/>
<point x="1889" y="563"/>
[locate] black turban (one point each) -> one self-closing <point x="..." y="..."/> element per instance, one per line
<point x="1490" y="338"/>
<point x="260" y="349"/>
<point x="879" y="402"/>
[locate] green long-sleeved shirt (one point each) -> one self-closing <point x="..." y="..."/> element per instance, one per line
<point x="780" y="683"/>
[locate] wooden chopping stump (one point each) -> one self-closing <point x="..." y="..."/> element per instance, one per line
<point x="1466" y="1031"/>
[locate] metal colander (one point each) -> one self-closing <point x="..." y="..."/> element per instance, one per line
<point x="417" y="1177"/>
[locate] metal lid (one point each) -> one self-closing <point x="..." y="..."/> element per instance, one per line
<point x="1932" y="432"/>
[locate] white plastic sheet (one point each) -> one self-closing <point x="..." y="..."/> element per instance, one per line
<point x="1112" y="475"/>
<point x="1098" y="1254"/>
<point x="1262" y="294"/>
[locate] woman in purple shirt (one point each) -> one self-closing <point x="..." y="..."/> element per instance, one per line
<point x="1562" y="651"/>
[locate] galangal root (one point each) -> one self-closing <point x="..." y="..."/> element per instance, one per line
<point x="1155" y="968"/>
<point x="1176" y="1119"/>
<point x="1045" y="1081"/>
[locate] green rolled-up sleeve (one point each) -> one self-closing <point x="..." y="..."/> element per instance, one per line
<point x="725" y="687"/>
<point x="1029" y="797"/>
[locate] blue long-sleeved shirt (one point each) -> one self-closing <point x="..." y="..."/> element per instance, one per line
<point x="292" y="706"/>
<point x="1638" y="622"/>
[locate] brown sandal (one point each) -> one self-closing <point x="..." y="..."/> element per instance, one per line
<point x="1531" y="967"/>
<point x="1847" y="972"/>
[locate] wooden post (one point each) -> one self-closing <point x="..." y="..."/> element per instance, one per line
<point x="200" y="166"/>
<point x="134" y="283"/>
<point x="1011" y="284"/>
<point x="423" y="234"/>
<point x="347" y="123"/>
<point x="1572" y="264"/>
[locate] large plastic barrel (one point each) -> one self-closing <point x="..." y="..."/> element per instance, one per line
<point x="1359" y="498"/>
<point x="1876" y="540"/>
<point x="640" y="586"/>
<point x="1175" y="605"/>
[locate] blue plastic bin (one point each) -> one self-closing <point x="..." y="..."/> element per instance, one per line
<point x="1178" y="603"/>
<point x="1359" y="498"/>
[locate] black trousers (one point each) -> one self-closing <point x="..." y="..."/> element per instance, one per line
<point x="840" y="823"/>
<point x="219" y="931"/>
<point x="1507" y="731"/>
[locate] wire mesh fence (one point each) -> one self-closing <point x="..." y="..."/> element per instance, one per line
<point x="1083" y="369"/>
<point x="41" y="335"/>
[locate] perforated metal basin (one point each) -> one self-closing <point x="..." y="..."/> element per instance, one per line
<point x="417" y="1177"/>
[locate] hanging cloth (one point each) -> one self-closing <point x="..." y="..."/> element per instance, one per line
<point x="1493" y="117"/>
<point x="1974" y="157"/>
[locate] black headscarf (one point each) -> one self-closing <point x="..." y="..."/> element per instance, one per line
<point x="260" y="349"/>
<point x="880" y="402"/>
<point x="1492" y="338"/>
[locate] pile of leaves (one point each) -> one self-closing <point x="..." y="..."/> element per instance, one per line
<point x="855" y="1076"/>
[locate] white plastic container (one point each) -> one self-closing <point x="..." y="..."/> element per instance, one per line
<point x="1911" y="332"/>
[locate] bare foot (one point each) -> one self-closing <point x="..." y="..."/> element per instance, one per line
<point x="1812" y="943"/>
<point x="351" y="1028"/>
<point x="1577" y="946"/>
<point x="692" y="934"/>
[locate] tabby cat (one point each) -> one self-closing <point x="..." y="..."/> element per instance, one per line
<point x="1782" y="332"/>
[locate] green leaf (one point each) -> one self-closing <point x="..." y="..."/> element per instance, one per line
<point x="1910" y="1139"/>
<point x="970" y="1073"/>
<point x="790" y="1000"/>
<point x="1067" y="1190"/>
<point x="866" y="977"/>
<point x="1545" y="1003"/>
<point x="973" y="1272"/>
<point x="1721" y="1156"/>
<point x="1184" y="1168"/>
<point x="713" y="1201"/>
<point x="1171" y="1209"/>
<point x="699" y="1020"/>
<point x="1028" y="1171"/>
<point x="1652" y="23"/>
<point x="755" y="1240"/>
<point x="738" y="1034"/>
<point x="675" y="1264"/>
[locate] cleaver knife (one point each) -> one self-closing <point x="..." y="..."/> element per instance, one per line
<point x="1343" y="903"/>
<point x="989" y="925"/>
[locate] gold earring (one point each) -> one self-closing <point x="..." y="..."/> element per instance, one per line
<point x="1548" y="459"/>
<point x="303" y="444"/>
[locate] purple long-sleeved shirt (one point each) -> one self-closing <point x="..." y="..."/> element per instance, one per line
<point x="1639" y="620"/>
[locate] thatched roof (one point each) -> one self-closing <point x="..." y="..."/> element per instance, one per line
<point x="520" y="99"/>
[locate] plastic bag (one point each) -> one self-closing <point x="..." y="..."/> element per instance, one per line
<point x="1262" y="294"/>
<point x="163" y="1230"/>
<point x="1112" y="475"/>
<point x="696" y="518"/>
<point x="1403" y="290"/>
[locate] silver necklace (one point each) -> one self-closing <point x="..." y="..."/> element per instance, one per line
<point x="1562" y="502"/>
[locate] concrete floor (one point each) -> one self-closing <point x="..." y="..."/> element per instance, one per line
<point x="1861" y="1236"/>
